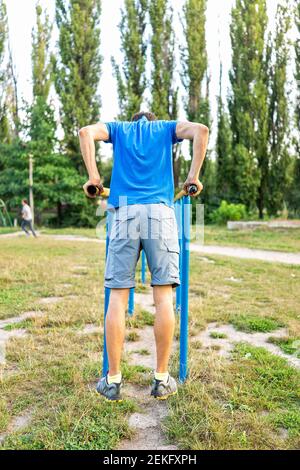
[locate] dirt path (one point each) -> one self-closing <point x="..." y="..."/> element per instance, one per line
<point x="232" y="252"/>
<point x="146" y="424"/>
<point x="248" y="253"/>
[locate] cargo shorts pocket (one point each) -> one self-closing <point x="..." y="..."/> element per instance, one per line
<point x="172" y="246"/>
<point x="109" y="266"/>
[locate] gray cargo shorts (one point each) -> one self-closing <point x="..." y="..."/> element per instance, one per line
<point x="151" y="227"/>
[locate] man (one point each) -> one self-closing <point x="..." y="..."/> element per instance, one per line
<point x="141" y="194"/>
<point x="27" y="218"/>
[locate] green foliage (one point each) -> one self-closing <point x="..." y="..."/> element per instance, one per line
<point x="227" y="212"/>
<point x="297" y="74"/>
<point x="5" y="124"/>
<point x="196" y="83"/>
<point x="163" y="93"/>
<point x="287" y="345"/>
<point x="251" y="323"/>
<point x="194" y="60"/>
<point x="294" y="189"/>
<point x="40" y="55"/>
<point x="131" y="80"/>
<point x="279" y="119"/>
<point x="77" y="69"/>
<point x="248" y="103"/>
<point x="217" y="335"/>
<point x="223" y="150"/>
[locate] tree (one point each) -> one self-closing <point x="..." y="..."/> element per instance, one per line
<point x="6" y="124"/>
<point x="194" y="59"/>
<point x="248" y="103"/>
<point x="196" y="82"/>
<point x="223" y="150"/>
<point x="131" y="79"/>
<point x="77" y="69"/>
<point x="297" y="74"/>
<point x="164" y="93"/>
<point x="55" y="178"/>
<point x="279" y="120"/>
<point x="294" y="191"/>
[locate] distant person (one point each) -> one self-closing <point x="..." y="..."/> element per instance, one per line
<point x="27" y="218"/>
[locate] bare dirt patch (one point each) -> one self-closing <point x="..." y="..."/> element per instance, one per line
<point x="17" y="424"/>
<point x="224" y="346"/>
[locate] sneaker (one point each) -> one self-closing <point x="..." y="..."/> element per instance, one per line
<point x="162" y="390"/>
<point x="111" y="392"/>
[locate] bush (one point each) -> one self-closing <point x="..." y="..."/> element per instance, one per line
<point x="227" y="212"/>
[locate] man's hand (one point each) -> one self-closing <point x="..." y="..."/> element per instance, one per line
<point x="195" y="181"/>
<point x="92" y="182"/>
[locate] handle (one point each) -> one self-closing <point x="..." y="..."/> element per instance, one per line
<point x="192" y="189"/>
<point x="95" y="191"/>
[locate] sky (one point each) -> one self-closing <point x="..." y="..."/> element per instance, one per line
<point x="21" y="17"/>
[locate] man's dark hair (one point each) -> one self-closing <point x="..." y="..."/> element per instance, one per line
<point x="148" y="115"/>
<point x="25" y="200"/>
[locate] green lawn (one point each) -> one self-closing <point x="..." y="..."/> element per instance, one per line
<point x="260" y="238"/>
<point x="249" y="402"/>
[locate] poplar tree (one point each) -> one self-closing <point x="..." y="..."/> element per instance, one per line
<point x="131" y="78"/>
<point x="248" y="103"/>
<point x="4" y="125"/>
<point x="164" y="91"/>
<point x="223" y="149"/>
<point x="279" y="116"/>
<point x="195" y="80"/>
<point x="297" y="74"/>
<point x="77" y="69"/>
<point x="195" y="63"/>
<point x="55" y="178"/>
<point x="294" y="192"/>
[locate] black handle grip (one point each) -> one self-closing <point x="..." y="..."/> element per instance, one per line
<point x="94" y="190"/>
<point x="192" y="189"/>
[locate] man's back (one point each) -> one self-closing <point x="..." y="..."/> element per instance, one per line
<point x="143" y="167"/>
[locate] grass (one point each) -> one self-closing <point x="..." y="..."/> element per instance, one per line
<point x="5" y="230"/>
<point x="244" y="403"/>
<point x="239" y="404"/>
<point x="216" y="335"/>
<point x="287" y="345"/>
<point x="52" y="372"/>
<point x="261" y="238"/>
<point x="254" y="323"/>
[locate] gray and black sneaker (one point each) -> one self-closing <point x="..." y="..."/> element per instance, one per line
<point x="162" y="390"/>
<point x="111" y="392"/>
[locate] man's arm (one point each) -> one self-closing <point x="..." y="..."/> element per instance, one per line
<point x="88" y="136"/>
<point x="199" y="134"/>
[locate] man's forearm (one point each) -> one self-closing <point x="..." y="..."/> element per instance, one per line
<point x="87" y="146"/>
<point x="200" y="142"/>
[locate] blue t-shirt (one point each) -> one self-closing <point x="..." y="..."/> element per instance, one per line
<point x="143" y="167"/>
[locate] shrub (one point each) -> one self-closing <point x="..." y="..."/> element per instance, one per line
<point x="227" y="212"/>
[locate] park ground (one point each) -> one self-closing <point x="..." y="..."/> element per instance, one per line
<point x="243" y="391"/>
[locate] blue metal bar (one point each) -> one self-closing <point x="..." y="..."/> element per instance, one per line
<point x="183" y="355"/>
<point x="178" y="214"/>
<point x="143" y="267"/>
<point x="131" y="302"/>
<point x="105" y="366"/>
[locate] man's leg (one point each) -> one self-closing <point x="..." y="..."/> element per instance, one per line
<point x="32" y="229"/>
<point x="23" y="227"/>
<point x="115" y="328"/>
<point x="163" y="326"/>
